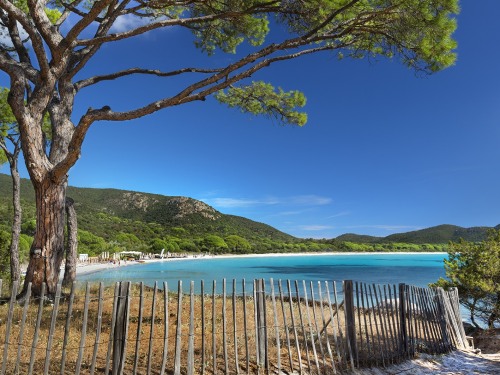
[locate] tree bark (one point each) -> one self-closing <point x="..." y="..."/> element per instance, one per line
<point x="15" y="269"/>
<point x="71" y="244"/>
<point x="47" y="251"/>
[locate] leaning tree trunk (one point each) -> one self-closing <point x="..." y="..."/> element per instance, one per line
<point x="15" y="270"/>
<point x="47" y="250"/>
<point x="72" y="243"/>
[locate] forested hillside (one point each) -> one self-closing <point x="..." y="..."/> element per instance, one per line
<point x="440" y="234"/>
<point x="114" y="220"/>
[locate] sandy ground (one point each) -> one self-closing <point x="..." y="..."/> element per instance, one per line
<point x="456" y="363"/>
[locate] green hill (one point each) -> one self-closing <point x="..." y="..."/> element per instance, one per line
<point x="114" y="219"/>
<point x="107" y="213"/>
<point x="441" y="234"/>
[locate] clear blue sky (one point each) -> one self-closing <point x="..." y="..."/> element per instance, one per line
<point x="384" y="150"/>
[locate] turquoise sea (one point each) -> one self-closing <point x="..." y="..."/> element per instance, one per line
<point x="387" y="268"/>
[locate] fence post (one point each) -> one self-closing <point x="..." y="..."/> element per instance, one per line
<point x="403" y="333"/>
<point x="120" y="328"/>
<point x="350" y="320"/>
<point x="261" y="323"/>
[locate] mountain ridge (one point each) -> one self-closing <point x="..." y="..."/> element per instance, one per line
<point x="199" y="218"/>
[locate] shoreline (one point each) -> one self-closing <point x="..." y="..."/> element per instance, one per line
<point x="86" y="269"/>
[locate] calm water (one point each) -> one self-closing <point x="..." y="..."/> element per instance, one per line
<point x="414" y="269"/>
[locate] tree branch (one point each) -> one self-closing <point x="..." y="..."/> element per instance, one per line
<point x="11" y="25"/>
<point x="109" y="77"/>
<point x="68" y="9"/>
<point x="185" y="22"/>
<point x="87" y="19"/>
<point x="28" y="26"/>
<point x="49" y="33"/>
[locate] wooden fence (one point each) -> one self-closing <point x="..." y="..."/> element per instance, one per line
<point x="227" y="328"/>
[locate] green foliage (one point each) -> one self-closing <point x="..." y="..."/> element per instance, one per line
<point x="24" y="248"/>
<point x="214" y="243"/>
<point x="8" y="122"/>
<point x="128" y="240"/>
<point x="6" y="116"/>
<point x="389" y="247"/>
<point x="237" y="244"/>
<point x="157" y="245"/>
<point x="228" y="33"/>
<point x="474" y="268"/>
<point x="91" y="244"/>
<point x="4" y="254"/>
<point x="29" y="227"/>
<point x="260" y="98"/>
<point x="439" y="236"/>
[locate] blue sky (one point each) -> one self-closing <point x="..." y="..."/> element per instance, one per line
<point x="384" y="150"/>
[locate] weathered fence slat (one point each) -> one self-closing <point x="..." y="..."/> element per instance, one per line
<point x="441" y="317"/>
<point x="341" y="335"/>
<point x="285" y="326"/>
<point x="52" y="328"/>
<point x="276" y="330"/>
<point x="256" y="324"/>
<point x="21" y="328"/>
<point x="350" y="321"/>
<point x="403" y="333"/>
<point x="367" y="335"/>
<point x="165" y="328"/>
<point x="224" y="328"/>
<point x="452" y="297"/>
<point x="387" y="321"/>
<point x="113" y="322"/>
<point x="235" y="330"/>
<point x="292" y="316"/>
<point x="203" y="328"/>
<point x="426" y="312"/>
<point x="9" y="323"/>
<point x="84" y="329"/>
<point x="139" y="327"/>
<point x="454" y="330"/>
<point x="395" y="319"/>
<point x="302" y="328"/>
<point x="316" y="326"/>
<point x="190" y="358"/>
<point x="214" y="347"/>
<point x="178" y="331"/>
<point x="327" y="341"/>
<point x="121" y="328"/>
<point x="37" y="329"/>
<point x="151" y="330"/>
<point x="381" y="306"/>
<point x="261" y="328"/>
<point x="245" y="328"/>
<point x="358" y="309"/>
<point x="411" y="319"/>
<point x="98" y="328"/>
<point x="332" y="318"/>
<point x="380" y="337"/>
<point x="311" y="329"/>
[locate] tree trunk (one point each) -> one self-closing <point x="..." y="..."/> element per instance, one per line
<point x="72" y="243"/>
<point x="15" y="271"/>
<point x="47" y="250"/>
